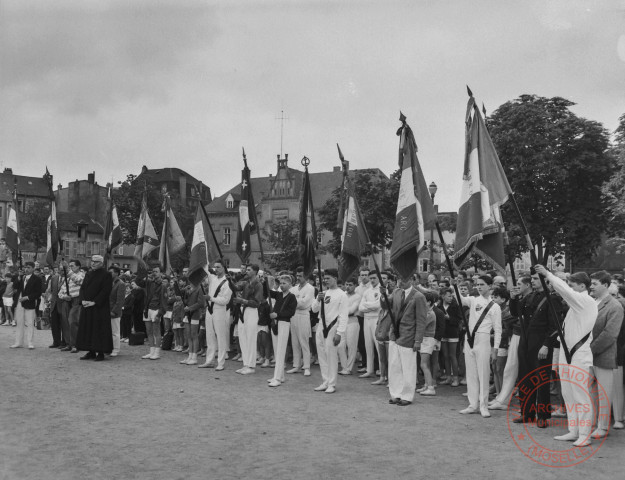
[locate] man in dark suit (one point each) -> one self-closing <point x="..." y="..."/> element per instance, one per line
<point x="407" y="305"/>
<point x="60" y="336"/>
<point x="29" y="292"/>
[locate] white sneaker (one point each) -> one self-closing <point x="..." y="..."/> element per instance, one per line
<point x="618" y="425"/>
<point x="497" y="406"/>
<point x="248" y="371"/>
<point x="428" y="392"/>
<point x="31" y="347"/>
<point x="468" y="411"/>
<point x="274" y="383"/>
<point x="581" y="442"/>
<point x="293" y="370"/>
<point x="485" y="413"/>
<point x="149" y="355"/>
<point x="114" y="354"/>
<point x="157" y="354"/>
<point x="330" y="390"/>
<point x="307" y="372"/>
<point x="184" y="362"/>
<point x="321" y="388"/>
<point x="598" y="433"/>
<point x="567" y="437"/>
<point x="422" y="389"/>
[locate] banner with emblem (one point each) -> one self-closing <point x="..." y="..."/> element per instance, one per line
<point x="147" y="239"/>
<point x="307" y="228"/>
<point x="247" y="215"/>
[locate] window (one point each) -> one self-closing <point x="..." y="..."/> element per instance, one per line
<point x="226" y="235"/>
<point x="280" y="215"/>
<point x="80" y="248"/>
<point x="229" y="203"/>
<point x="0" y="210"/>
<point x="89" y="253"/>
<point x="95" y="248"/>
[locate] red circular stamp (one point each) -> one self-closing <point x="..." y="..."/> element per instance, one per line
<point x="572" y="445"/>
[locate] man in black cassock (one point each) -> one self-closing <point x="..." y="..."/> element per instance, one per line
<point x="94" y="329"/>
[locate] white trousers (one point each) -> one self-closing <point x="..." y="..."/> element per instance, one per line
<point x="347" y="354"/>
<point x="247" y="336"/>
<point x="605" y="378"/>
<point x="25" y="320"/>
<point x="371" y="345"/>
<point x="477" y="361"/>
<point x="300" y="335"/>
<point x="617" y="394"/>
<point x="576" y="397"/>
<point x="217" y="330"/>
<point x="115" y="330"/>
<point x="402" y="372"/>
<point x="510" y="372"/>
<point x="328" y="356"/>
<point x="280" y="343"/>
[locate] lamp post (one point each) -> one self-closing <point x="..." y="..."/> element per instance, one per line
<point x="432" y="188"/>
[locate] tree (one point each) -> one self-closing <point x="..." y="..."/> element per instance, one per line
<point x="614" y="191"/>
<point x="556" y="163"/>
<point x="34" y="223"/>
<point x="284" y="238"/>
<point x="377" y="199"/>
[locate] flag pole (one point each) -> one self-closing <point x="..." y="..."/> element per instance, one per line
<point x="506" y="242"/>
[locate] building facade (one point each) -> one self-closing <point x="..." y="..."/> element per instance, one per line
<point x="183" y="187"/>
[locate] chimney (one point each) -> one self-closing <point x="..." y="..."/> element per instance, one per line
<point x="91" y="177"/>
<point x="60" y="186"/>
<point x="337" y="169"/>
<point x="8" y="170"/>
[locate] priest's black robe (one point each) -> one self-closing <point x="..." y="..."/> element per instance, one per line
<point x="94" y="327"/>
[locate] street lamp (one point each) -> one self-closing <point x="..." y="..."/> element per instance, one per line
<point x="432" y="188"/>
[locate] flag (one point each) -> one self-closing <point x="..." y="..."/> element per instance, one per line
<point x="147" y="240"/>
<point x="354" y="239"/>
<point x="113" y="233"/>
<point x="198" y="260"/>
<point x="247" y="216"/>
<point x="307" y="229"/>
<point x="52" y="236"/>
<point x="172" y="240"/>
<point x="343" y="194"/>
<point x="485" y="189"/>
<point x="415" y="212"/>
<point x="12" y="236"/>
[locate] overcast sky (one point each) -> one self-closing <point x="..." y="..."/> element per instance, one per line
<point x="113" y="85"/>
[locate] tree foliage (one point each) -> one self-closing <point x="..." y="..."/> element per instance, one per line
<point x="377" y="199"/>
<point x="283" y="237"/>
<point x="556" y="163"/>
<point x="614" y="189"/>
<point x="34" y="223"/>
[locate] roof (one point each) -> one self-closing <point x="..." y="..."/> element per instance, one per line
<point x="68" y="222"/>
<point x="322" y="185"/>
<point x="168" y="174"/>
<point x="26" y="186"/>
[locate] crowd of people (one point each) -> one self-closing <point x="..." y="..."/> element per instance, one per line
<point x="413" y="336"/>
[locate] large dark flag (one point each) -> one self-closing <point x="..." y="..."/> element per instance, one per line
<point x="52" y="236"/>
<point x="247" y="215"/>
<point x="344" y="193"/>
<point x="172" y="240"/>
<point x="354" y="239"/>
<point x="485" y="189"/>
<point x="415" y="212"/>
<point x="198" y="260"/>
<point x="12" y="236"/>
<point x="307" y="229"/>
<point x="147" y="240"/>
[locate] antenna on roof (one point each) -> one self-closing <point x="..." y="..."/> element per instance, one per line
<point x="282" y="118"/>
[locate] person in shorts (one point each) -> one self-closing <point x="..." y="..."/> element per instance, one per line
<point x="424" y="339"/>
<point x="7" y="300"/>
<point x="449" y="343"/>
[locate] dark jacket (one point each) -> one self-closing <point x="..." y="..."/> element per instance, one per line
<point x="118" y="295"/>
<point x="453" y="319"/>
<point x="285" y="305"/>
<point x="32" y="290"/>
<point x="94" y="326"/>
<point x="605" y="332"/>
<point x="441" y="321"/>
<point x="406" y="313"/>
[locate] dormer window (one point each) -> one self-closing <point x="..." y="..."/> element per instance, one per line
<point x="229" y="201"/>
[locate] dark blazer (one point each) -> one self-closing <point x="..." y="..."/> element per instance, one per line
<point x="414" y="306"/>
<point x="285" y="305"/>
<point x="605" y="332"/>
<point x="32" y="290"/>
<point x="53" y="288"/>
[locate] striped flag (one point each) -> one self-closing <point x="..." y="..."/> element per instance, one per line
<point x="307" y="228"/>
<point x="113" y="233"/>
<point x="172" y="240"/>
<point x="52" y="236"/>
<point x="485" y="189"/>
<point x="415" y="212"/>
<point x="198" y="260"/>
<point x="147" y="240"/>
<point x="354" y="239"/>
<point x="12" y="236"/>
<point x="247" y="215"/>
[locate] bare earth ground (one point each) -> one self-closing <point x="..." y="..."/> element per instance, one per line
<point x="61" y="418"/>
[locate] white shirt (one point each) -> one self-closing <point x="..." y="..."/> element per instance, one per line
<point x="305" y="296"/>
<point x="370" y="303"/>
<point x="336" y="305"/>
<point x="580" y="319"/>
<point x="360" y="290"/>
<point x="492" y="321"/>
<point x="223" y="297"/>
<point x="354" y="303"/>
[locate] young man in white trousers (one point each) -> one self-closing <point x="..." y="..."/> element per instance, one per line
<point x="251" y="298"/>
<point x="347" y="353"/>
<point x="484" y="316"/>
<point x="370" y="307"/>
<point x="217" y="321"/>
<point x="300" y="323"/>
<point x="332" y="305"/>
<point x="283" y="311"/>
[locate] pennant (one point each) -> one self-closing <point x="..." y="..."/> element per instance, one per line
<point x="52" y="236"/>
<point x="247" y="216"/>
<point x="354" y="239"/>
<point x="307" y="229"/>
<point x="12" y="236"/>
<point x="344" y="193"/>
<point x="198" y="260"/>
<point x="113" y="233"/>
<point x="485" y="189"/>
<point x="147" y="240"/>
<point x="172" y="240"/>
<point x="415" y="212"/>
